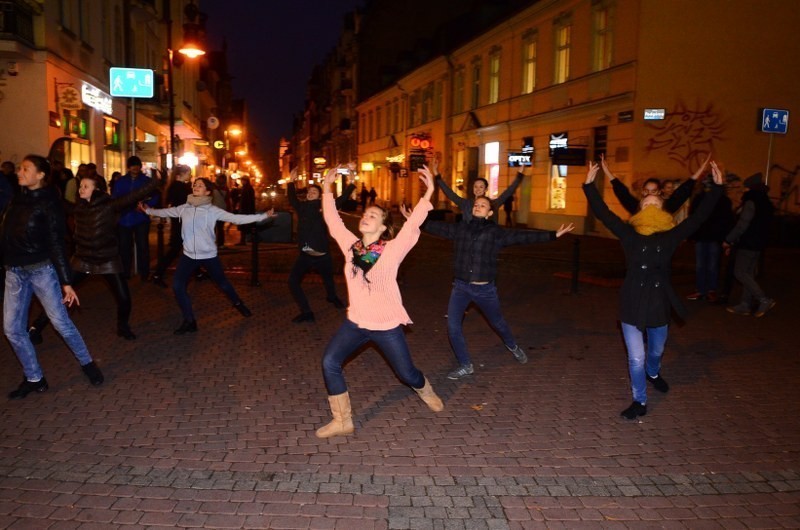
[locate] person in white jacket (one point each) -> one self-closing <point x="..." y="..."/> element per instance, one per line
<point x="198" y="219"/>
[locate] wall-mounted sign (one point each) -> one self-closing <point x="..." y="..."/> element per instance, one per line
<point x="558" y="141"/>
<point x="69" y="98"/>
<point x="319" y="160"/>
<point x="625" y="116"/>
<point x="212" y="122"/>
<point x="569" y="156"/>
<point x="219" y="144"/>
<point x="654" y="114"/>
<point x="97" y="99"/>
<point x="519" y="159"/>
<point x="367" y="166"/>
<point x="399" y="159"/>
<point x="415" y="162"/>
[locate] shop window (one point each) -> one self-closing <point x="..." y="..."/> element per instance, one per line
<point x="491" y="163"/>
<point x="558" y="187"/>
<point x="76" y="123"/>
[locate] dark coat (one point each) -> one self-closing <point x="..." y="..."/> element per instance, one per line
<point x="96" y="246"/>
<point x="647" y="296"/>
<point x="718" y="224"/>
<point x="33" y="231"/>
<point x="311" y="227"/>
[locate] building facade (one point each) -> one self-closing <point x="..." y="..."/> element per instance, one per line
<point x="564" y="81"/>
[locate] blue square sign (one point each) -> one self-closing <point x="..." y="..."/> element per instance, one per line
<point x="774" y="121"/>
<point x="131" y="82"/>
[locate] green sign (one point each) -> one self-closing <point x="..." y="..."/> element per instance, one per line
<point x="132" y="82"/>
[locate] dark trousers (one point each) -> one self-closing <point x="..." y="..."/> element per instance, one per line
<point x="349" y="337"/>
<point x="141" y="235"/>
<point x="186" y="268"/>
<point x="119" y="288"/>
<point x="304" y="264"/>
<point x="174" y="248"/>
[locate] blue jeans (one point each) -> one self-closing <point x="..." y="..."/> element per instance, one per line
<point x="21" y="284"/>
<point x="641" y="362"/>
<point x="349" y="337"/>
<point x="707" y="255"/>
<point x="485" y="297"/>
<point x="186" y="268"/>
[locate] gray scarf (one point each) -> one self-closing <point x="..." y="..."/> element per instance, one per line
<point x="198" y="201"/>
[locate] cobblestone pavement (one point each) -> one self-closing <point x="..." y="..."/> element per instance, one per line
<point x="216" y="429"/>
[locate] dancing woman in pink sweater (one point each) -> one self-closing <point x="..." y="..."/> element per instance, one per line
<point x="376" y="312"/>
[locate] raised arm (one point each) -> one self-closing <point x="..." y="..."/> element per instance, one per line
<point x="621" y="191"/>
<point x="339" y="232"/>
<point x="408" y="236"/>
<point x="600" y="209"/>
<point x="693" y="222"/>
<point x="508" y="192"/>
<point x="125" y="201"/>
<point x="292" y="190"/>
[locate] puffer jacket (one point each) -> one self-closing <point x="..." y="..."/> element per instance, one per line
<point x="96" y="245"/>
<point x="33" y="231"/>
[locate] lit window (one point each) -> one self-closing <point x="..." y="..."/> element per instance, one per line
<point x="491" y="161"/>
<point x="528" y="66"/>
<point x="475" y="100"/>
<point x="458" y="91"/>
<point x="494" y="78"/>
<point x="563" y="36"/>
<point x="602" y="42"/>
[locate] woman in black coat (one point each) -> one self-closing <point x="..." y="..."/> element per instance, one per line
<point x="96" y="247"/>
<point x="649" y="239"/>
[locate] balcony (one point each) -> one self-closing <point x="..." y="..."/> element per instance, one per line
<point x="16" y="22"/>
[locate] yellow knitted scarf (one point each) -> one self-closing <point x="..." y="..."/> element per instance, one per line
<point x="651" y="220"/>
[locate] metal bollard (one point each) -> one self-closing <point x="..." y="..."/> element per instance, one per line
<point x="254" y="255"/>
<point x="576" y="256"/>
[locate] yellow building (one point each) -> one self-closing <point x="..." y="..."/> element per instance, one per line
<point x="653" y="85"/>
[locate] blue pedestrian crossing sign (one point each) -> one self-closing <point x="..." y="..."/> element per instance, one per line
<point x="774" y="121"/>
<point x="132" y="82"/>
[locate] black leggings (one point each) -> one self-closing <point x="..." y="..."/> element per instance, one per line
<point x="119" y="287"/>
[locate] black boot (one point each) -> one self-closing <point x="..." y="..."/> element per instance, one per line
<point x="187" y="326"/>
<point x="636" y="409"/>
<point x="336" y="303"/>
<point x="158" y="280"/>
<point x="93" y="373"/>
<point x="26" y="387"/>
<point x="240" y="307"/>
<point x="304" y="317"/>
<point x="125" y="332"/>
<point x="659" y="383"/>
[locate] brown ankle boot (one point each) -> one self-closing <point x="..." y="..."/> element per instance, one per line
<point x="429" y="397"/>
<point x="342" y="422"/>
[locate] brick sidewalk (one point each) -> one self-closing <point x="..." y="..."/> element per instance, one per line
<point x="215" y="429"/>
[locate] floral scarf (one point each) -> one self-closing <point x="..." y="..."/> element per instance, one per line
<point x="365" y="257"/>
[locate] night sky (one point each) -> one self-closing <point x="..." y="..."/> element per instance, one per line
<point x="272" y="48"/>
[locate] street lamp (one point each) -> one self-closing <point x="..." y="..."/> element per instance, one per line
<point x="190" y="48"/>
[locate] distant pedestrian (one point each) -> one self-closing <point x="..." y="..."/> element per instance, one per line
<point x="247" y="206"/>
<point x="198" y="220"/>
<point x="313" y="241"/>
<point x="9" y="174"/>
<point x="134" y="226"/>
<point x="372" y="196"/>
<point x="508" y="208"/>
<point x="750" y="236"/>
<point x="376" y="313"/>
<point x="647" y="298"/>
<point x="35" y="258"/>
<point x="221" y="199"/>
<point x="364" y="197"/>
<point x="477" y="246"/>
<point x="708" y="242"/>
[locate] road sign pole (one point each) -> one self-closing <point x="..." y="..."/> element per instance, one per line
<point x="133" y="126"/>
<point x="769" y="160"/>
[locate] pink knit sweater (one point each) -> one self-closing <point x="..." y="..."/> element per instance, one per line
<point x="376" y="305"/>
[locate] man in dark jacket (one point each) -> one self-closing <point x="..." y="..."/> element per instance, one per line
<point x="708" y="243"/>
<point x="133" y="224"/>
<point x="750" y="235"/>
<point x="477" y="246"/>
<point x="312" y="240"/>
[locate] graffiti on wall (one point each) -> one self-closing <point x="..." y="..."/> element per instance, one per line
<point x="686" y="135"/>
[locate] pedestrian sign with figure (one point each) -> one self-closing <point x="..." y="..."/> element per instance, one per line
<point x="774" y="121"/>
<point x="131" y="82"/>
